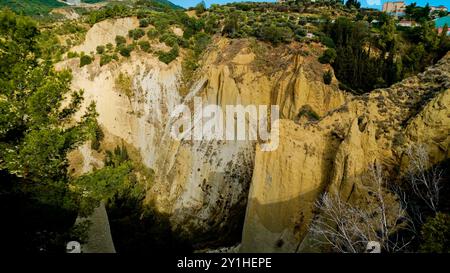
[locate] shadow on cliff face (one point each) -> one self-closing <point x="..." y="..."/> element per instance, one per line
<point x="283" y="226"/>
<point x="138" y="228"/>
<point x="221" y="231"/>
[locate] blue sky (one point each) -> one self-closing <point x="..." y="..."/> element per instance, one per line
<point x="190" y="3"/>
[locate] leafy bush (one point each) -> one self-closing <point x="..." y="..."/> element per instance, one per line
<point x="169" y="39"/>
<point x="152" y="33"/>
<point x="100" y="49"/>
<point x="327" y="77"/>
<point x="97" y="137"/>
<point x="161" y="22"/>
<point x="108" y="12"/>
<point x="145" y="46"/>
<point x="327" y="41"/>
<point x="105" y="59"/>
<point x="275" y="34"/>
<point x="436" y="234"/>
<point x="85" y="60"/>
<point x="37" y="206"/>
<point x="201" y="42"/>
<point x="136" y="34"/>
<point x="126" y="50"/>
<point x="72" y="55"/>
<point x="120" y="40"/>
<point x="168" y="57"/>
<point x="328" y="56"/>
<point x="143" y="23"/>
<point x="109" y="46"/>
<point x="200" y="8"/>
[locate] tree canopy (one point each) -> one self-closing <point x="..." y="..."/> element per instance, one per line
<point x="37" y="131"/>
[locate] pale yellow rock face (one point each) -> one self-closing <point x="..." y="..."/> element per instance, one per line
<point x="336" y="153"/>
<point x="285" y="185"/>
<point x="432" y="127"/>
<point x="105" y="32"/>
<point x="204" y="185"/>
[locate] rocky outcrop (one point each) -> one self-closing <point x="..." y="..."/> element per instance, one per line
<point x="208" y="187"/>
<point x="202" y="184"/>
<point x="105" y="32"/>
<point x="334" y="153"/>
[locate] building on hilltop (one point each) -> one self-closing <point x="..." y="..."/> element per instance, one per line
<point x="394" y="8"/>
<point x="407" y="23"/>
<point x="438" y="8"/>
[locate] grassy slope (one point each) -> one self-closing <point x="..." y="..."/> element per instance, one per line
<point x="31" y="7"/>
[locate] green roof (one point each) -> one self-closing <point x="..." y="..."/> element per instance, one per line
<point x="440" y="22"/>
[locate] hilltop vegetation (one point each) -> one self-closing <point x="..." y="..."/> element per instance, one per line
<point x="364" y="55"/>
<point x="43" y="7"/>
<point x="31" y="7"/>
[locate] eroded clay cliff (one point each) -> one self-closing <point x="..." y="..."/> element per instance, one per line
<point x="208" y="187"/>
<point x="334" y="153"/>
<point x="202" y="184"/>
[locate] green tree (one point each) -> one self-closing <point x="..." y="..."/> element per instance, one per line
<point x="200" y="8"/>
<point x="120" y="40"/>
<point x="36" y="133"/>
<point x="100" y="49"/>
<point x="436" y="234"/>
<point x="328" y="56"/>
<point x="353" y="3"/>
<point x="327" y="77"/>
<point x="420" y="14"/>
<point x="231" y="25"/>
<point x="136" y="34"/>
<point x="85" y="60"/>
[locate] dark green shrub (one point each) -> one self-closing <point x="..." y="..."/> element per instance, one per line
<point x="97" y="137"/>
<point x="85" y="60"/>
<point x="143" y="23"/>
<point x="105" y="59"/>
<point x="161" y="24"/>
<point x="436" y="234"/>
<point x="169" y="39"/>
<point x="145" y="46"/>
<point x="141" y="14"/>
<point x="100" y="49"/>
<point x="308" y="112"/>
<point x="201" y="42"/>
<point x="108" y="12"/>
<point x="109" y="46"/>
<point x="120" y="40"/>
<point x="275" y="34"/>
<point x="126" y="50"/>
<point x="327" y="77"/>
<point x="328" y="56"/>
<point x="327" y="41"/>
<point x="200" y="8"/>
<point x="136" y="34"/>
<point x="168" y="57"/>
<point x="72" y="55"/>
<point x="152" y="33"/>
